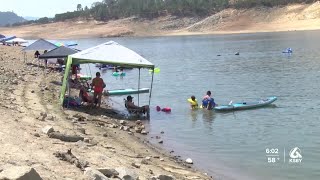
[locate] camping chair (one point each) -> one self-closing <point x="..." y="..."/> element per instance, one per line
<point x="130" y="110"/>
<point x="134" y="112"/>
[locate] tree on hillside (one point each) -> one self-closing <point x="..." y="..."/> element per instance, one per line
<point x="43" y="20"/>
<point x="86" y="13"/>
<point x="79" y="7"/>
<point x="104" y="10"/>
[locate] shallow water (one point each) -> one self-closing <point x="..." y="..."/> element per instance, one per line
<point x="232" y="145"/>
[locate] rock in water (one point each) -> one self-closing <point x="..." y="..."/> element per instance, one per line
<point x="21" y="173"/>
<point x="95" y="174"/>
<point x="189" y="161"/>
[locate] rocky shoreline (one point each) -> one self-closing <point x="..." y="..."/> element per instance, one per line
<point x="40" y="140"/>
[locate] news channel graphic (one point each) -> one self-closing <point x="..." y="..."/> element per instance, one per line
<point x="290" y="156"/>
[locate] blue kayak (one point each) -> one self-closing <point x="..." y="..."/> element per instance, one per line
<point x="246" y="105"/>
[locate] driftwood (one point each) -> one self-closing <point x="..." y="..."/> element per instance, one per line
<point x="69" y="157"/>
<point x="66" y="138"/>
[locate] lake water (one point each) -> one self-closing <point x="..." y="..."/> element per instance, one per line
<point x="232" y="145"/>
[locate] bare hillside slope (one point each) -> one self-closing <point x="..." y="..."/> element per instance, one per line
<point x="262" y="19"/>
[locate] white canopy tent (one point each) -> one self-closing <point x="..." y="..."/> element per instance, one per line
<point x="110" y="53"/>
<point x="16" y="40"/>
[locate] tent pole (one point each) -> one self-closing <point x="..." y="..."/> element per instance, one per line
<point x="151" y="86"/>
<point x="68" y="86"/>
<point x="65" y="80"/>
<point x="138" y="89"/>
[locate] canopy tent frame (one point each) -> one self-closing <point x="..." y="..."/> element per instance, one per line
<point x="139" y="88"/>
<point x="75" y="59"/>
<point x="67" y="77"/>
<point x="39" y="45"/>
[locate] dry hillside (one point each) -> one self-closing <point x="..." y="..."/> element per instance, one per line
<point x="263" y="19"/>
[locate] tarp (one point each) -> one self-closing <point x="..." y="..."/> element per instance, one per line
<point x="7" y="38"/>
<point x="110" y="53"/>
<point x="60" y="52"/>
<point x="39" y="45"/>
<point x="17" y="40"/>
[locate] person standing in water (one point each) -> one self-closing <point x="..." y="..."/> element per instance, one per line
<point x="97" y="85"/>
<point x="208" y="101"/>
<point x="193" y="102"/>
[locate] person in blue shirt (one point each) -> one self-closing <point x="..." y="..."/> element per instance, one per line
<point x="208" y="101"/>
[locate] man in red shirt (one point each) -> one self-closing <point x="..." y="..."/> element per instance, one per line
<point x="97" y="85"/>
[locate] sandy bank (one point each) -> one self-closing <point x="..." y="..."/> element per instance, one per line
<point x="263" y="19"/>
<point x="26" y="92"/>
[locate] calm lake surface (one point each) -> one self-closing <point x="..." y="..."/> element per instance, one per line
<point x="232" y="145"/>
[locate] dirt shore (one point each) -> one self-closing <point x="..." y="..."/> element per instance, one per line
<point x="29" y="102"/>
<point x="261" y="19"/>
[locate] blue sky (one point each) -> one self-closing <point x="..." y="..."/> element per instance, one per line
<point x="42" y="8"/>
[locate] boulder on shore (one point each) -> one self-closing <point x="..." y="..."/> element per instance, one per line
<point x="127" y="174"/>
<point x="94" y="174"/>
<point x="20" y="173"/>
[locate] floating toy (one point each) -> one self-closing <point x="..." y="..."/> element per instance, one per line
<point x="166" y="109"/>
<point x="118" y="74"/>
<point x="156" y="70"/>
<point x="288" y="50"/>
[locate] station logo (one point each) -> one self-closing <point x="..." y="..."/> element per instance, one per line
<point x="295" y="155"/>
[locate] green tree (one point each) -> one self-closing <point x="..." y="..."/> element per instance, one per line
<point x="79" y="7"/>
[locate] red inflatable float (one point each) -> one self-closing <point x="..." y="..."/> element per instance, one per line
<point x="166" y="109"/>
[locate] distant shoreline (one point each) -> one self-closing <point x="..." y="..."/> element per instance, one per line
<point x="296" y="17"/>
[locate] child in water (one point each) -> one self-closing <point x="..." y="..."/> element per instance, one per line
<point x="208" y="101"/>
<point x="193" y="102"/>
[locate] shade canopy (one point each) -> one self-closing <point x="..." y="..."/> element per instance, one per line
<point x="7" y="38"/>
<point x="107" y="53"/>
<point x="111" y="53"/>
<point x="16" y="40"/>
<point x="39" y="45"/>
<point x="59" y="52"/>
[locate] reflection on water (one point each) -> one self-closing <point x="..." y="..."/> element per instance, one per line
<point x="194" y="114"/>
<point x="208" y="117"/>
